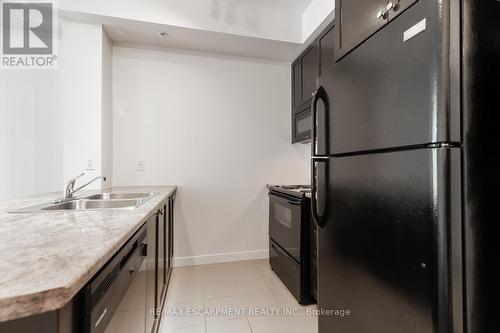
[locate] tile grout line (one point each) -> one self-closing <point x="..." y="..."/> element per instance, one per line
<point x="249" y="325"/>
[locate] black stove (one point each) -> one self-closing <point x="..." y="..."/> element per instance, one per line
<point x="299" y="191"/>
<point x="292" y="245"/>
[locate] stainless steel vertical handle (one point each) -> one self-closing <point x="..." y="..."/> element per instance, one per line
<point x="320" y="94"/>
<point x="318" y="196"/>
<point x="101" y="317"/>
<point x="316" y="160"/>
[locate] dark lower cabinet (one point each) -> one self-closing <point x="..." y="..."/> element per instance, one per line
<point x="95" y="308"/>
<point x="151" y="274"/>
<point x="158" y="262"/>
<point x="170" y="235"/>
<point x="162" y="253"/>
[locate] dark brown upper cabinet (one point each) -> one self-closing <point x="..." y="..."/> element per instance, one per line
<point x="326" y="47"/>
<point x="306" y="70"/>
<point x="396" y="7"/>
<point x="356" y="20"/>
<point x="296" y="84"/>
<point x="304" y="84"/>
<point x="309" y="72"/>
<point x="304" y="78"/>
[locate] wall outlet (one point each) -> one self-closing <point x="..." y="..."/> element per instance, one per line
<point x="141" y="165"/>
<point x="90" y="165"/>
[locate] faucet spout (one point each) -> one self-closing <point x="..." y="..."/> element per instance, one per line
<point x="89" y="182"/>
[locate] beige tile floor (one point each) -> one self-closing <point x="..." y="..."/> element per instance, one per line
<point x="195" y="294"/>
<point x="240" y="285"/>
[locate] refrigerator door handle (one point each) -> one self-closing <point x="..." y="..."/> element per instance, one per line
<point x="319" y="190"/>
<point x="320" y="94"/>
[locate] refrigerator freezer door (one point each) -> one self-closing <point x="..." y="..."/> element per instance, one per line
<point x="391" y="93"/>
<point x="384" y="253"/>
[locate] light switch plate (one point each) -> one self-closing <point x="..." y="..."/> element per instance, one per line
<point x="141" y="165"/>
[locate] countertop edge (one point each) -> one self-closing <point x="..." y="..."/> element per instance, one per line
<point x="22" y="306"/>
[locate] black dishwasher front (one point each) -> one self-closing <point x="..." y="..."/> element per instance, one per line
<point x="101" y="297"/>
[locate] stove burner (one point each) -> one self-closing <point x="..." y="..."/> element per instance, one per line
<point x="293" y="190"/>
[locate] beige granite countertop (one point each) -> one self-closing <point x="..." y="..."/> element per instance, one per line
<point x="48" y="257"/>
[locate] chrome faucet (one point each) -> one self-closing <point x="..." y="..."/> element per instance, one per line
<point x="69" y="187"/>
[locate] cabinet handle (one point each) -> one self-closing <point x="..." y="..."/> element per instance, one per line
<point x="389" y="6"/>
<point x="101" y="317"/>
<point x="382" y="14"/>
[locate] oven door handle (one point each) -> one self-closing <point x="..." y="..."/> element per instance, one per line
<point x="293" y="203"/>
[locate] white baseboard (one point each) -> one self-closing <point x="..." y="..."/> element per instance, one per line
<point x="220" y="258"/>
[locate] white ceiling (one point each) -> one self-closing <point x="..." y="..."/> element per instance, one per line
<point x="212" y="36"/>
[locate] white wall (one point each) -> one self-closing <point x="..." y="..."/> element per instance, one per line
<point x="107" y="108"/>
<point x="219" y="127"/>
<point x="80" y="95"/>
<point x="51" y="120"/>
<point x="30" y="133"/>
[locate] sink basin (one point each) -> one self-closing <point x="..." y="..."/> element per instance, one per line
<point x="100" y="201"/>
<point x="94" y="204"/>
<point x="113" y="196"/>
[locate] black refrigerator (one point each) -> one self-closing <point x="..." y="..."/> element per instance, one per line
<point x="405" y="156"/>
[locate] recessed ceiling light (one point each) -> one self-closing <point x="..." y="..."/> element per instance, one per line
<point x="163" y="34"/>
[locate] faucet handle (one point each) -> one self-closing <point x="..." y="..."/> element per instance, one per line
<point x="68" y="187"/>
<point x="73" y="180"/>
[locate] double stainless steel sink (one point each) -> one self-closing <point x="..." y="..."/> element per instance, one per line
<point x="99" y="201"/>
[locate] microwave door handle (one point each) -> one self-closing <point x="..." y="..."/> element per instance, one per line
<point x="316" y="194"/>
<point x="318" y="95"/>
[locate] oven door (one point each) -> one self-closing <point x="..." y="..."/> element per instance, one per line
<point x="284" y="223"/>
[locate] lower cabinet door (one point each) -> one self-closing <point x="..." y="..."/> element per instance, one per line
<point x="168" y="259"/>
<point x="171" y="232"/>
<point x="160" y="273"/>
<point x="151" y="276"/>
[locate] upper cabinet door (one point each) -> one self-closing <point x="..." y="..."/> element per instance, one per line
<point x="396" y="7"/>
<point x="326" y="46"/>
<point x="356" y="21"/>
<point x="309" y="72"/>
<point x="296" y="85"/>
